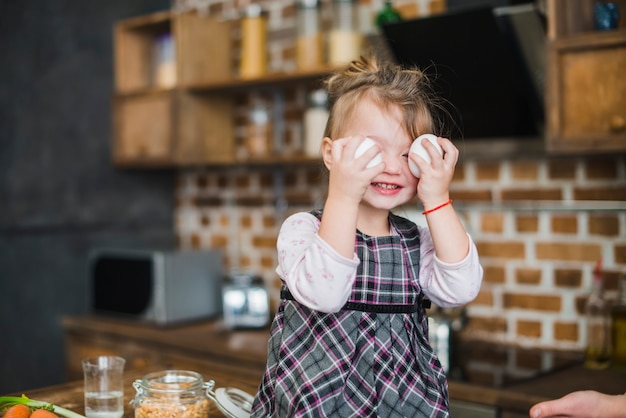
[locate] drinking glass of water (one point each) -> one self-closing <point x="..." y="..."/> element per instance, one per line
<point x="104" y="386"/>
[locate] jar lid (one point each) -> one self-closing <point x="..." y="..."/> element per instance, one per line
<point x="233" y="402"/>
<point x="254" y="10"/>
<point x="308" y="4"/>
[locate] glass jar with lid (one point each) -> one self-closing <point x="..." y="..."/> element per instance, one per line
<point x="309" y="43"/>
<point x="184" y="394"/>
<point x="345" y="40"/>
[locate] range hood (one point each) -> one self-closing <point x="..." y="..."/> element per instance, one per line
<point x="487" y="63"/>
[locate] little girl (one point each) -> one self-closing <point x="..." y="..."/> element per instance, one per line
<point x="350" y="337"/>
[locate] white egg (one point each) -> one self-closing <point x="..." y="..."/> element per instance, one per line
<point x="419" y="149"/>
<point x="365" y="145"/>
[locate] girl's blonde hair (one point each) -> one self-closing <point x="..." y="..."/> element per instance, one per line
<point x="387" y="85"/>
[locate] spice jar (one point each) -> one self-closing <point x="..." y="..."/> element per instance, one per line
<point x="309" y="43"/>
<point x="253" y="42"/>
<point x="315" y="119"/>
<point x="345" y="40"/>
<point x="259" y="134"/>
<point x="184" y="394"/>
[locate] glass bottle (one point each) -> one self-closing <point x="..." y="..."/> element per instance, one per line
<point x="345" y="40"/>
<point x="259" y="133"/>
<point x="618" y="326"/>
<point x="597" y="354"/>
<point x="253" y="42"/>
<point x="315" y="119"/>
<point x="309" y="44"/>
<point x="388" y="14"/>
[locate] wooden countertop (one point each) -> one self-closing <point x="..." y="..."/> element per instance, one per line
<point x="237" y="359"/>
<point x="207" y="339"/>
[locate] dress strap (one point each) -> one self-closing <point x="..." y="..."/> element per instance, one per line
<point x="285" y="294"/>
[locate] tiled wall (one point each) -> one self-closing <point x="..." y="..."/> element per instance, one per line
<point x="540" y="222"/>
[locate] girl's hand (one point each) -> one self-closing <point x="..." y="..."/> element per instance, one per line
<point x="433" y="187"/>
<point x="349" y="176"/>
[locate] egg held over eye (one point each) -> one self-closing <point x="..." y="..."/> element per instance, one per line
<point x="365" y="145"/>
<point x="418" y="148"/>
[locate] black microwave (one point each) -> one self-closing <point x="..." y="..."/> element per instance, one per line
<point x="162" y="287"/>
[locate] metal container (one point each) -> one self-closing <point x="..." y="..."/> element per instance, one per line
<point x="245" y="301"/>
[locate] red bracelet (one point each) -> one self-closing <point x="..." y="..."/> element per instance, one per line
<point x="426" y="212"/>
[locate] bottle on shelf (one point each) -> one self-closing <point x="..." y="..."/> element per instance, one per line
<point x="253" y="42"/>
<point x="618" y="326"/>
<point x="315" y="118"/>
<point x="164" y="61"/>
<point x="345" y="41"/>
<point x="310" y="42"/>
<point x="259" y="139"/>
<point x="388" y="14"/>
<point x="597" y="313"/>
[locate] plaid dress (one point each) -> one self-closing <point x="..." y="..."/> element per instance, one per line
<point x="370" y="359"/>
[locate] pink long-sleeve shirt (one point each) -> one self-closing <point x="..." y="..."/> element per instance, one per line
<point x="321" y="279"/>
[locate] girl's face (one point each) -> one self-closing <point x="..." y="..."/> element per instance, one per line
<point x="396" y="185"/>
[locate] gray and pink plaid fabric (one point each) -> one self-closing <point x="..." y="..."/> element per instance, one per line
<point x="357" y="363"/>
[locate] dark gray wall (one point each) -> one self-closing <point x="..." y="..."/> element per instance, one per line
<point x="60" y="196"/>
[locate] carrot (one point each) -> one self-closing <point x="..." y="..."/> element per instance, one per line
<point x="43" y="413"/>
<point x="17" y="411"/>
<point x="7" y="402"/>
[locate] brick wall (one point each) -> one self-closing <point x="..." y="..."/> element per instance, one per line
<point x="539" y="228"/>
<point x="540" y="222"/>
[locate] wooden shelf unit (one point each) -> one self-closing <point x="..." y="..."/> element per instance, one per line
<point x="585" y="86"/>
<point x="192" y="122"/>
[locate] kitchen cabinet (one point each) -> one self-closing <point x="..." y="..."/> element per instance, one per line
<point x="585" y="85"/>
<point x="192" y="119"/>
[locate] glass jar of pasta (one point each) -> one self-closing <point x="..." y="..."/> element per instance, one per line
<point x="184" y="394"/>
<point x="171" y="393"/>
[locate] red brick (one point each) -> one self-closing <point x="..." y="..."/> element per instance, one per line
<point x="620" y="253"/>
<point x="529" y="328"/>
<point x="615" y="193"/>
<point x="532" y="194"/>
<point x="264" y="242"/>
<point x="566" y="331"/>
<point x="491" y="324"/>
<point x="524" y="170"/>
<point x="607" y="225"/>
<point x="488" y="171"/>
<point x="528" y="276"/>
<point x="532" y="302"/>
<point x="485" y="297"/>
<point x="245" y="221"/>
<point x="501" y="249"/>
<point x="219" y="241"/>
<point x="567" y="278"/>
<point x="471" y="195"/>
<point x="568" y="251"/>
<point x="492" y="222"/>
<point x="527" y="223"/>
<point x="562" y="169"/>
<point x="493" y="274"/>
<point x="564" y="224"/>
<point x="601" y="168"/>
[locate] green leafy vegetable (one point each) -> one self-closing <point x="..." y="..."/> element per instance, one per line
<point x="8" y="401"/>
